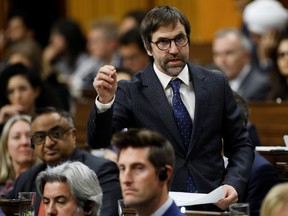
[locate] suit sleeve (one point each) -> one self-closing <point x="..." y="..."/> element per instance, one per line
<point x="108" y="178"/>
<point x="99" y="128"/>
<point x="262" y="178"/>
<point x="237" y="145"/>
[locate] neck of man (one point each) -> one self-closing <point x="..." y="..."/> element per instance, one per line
<point x="149" y="207"/>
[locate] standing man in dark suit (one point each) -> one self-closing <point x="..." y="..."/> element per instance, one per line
<point x="149" y="102"/>
<point x="232" y="55"/>
<point x="54" y="140"/>
<point x="146" y="162"/>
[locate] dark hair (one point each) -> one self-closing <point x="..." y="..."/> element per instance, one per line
<point x="137" y="15"/>
<point x="243" y="106"/>
<point x="161" y="152"/>
<point x="10" y="71"/>
<point x="73" y="35"/>
<point x="132" y="36"/>
<point x="161" y="16"/>
<point x="25" y="17"/>
<point x="280" y="88"/>
<point x="47" y="110"/>
<point x="47" y="96"/>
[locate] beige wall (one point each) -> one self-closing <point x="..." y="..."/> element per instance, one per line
<point x="206" y="16"/>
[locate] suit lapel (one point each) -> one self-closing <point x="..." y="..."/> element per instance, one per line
<point x="201" y="103"/>
<point x="155" y="94"/>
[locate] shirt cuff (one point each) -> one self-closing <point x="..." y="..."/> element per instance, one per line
<point x="103" y="107"/>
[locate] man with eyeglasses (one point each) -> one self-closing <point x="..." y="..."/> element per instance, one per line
<point x="190" y="106"/>
<point x="54" y="140"/>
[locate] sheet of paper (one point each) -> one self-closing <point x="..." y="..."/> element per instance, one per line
<point x="285" y="137"/>
<point x="188" y="199"/>
<point x="271" y="148"/>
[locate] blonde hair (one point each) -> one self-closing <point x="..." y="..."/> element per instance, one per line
<point x="6" y="167"/>
<point x="108" y="25"/>
<point x="275" y="200"/>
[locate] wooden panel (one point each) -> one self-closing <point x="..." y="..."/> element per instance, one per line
<point x="271" y="121"/>
<point x="88" y="10"/>
<point x="201" y="53"/>
<point x="4" y="7"/>
<point x="205" y="16"/>
<point x="213" y="15"/>
<point x="81" y="114"/>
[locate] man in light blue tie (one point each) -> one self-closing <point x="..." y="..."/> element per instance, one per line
<point x="151" y="100"/>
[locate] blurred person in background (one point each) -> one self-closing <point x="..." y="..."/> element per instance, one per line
<point x="102" y="46"/>
<point x="29" y="53"/>
<point x="132" y="19"/>
<point x="22" y="91"/>
<point x="16" y="154"/>
<point x="66" y="50"/>
<point x="19" y="27"/>
<point x="232" y="54"/>
<point x="265" y="20"/>
<point x="280" y="77"/>
<point x="132" y="51"/>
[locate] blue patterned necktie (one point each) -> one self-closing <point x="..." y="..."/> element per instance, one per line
<point x="181" y="115"/>
<point x="183" y="121"/>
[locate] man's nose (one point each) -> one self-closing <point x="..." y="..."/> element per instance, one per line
<point x="126" y="177"/>
<point x="48" y="141"/>
<point x="173" y="48"/>
<point x="50" y="210"/>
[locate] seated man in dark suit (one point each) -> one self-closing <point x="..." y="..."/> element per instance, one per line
<point x="146" y="162"/>
<point x="263" y="175"/>
<point x="54" y="137"/>
<point x="232" y="54"/>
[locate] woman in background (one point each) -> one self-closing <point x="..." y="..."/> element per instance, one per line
<point x="280" y="77"/>
<point x="22" y="92"/>
<point x="16" y="154"/>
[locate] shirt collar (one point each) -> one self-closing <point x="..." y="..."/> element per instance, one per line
<point x="235" y="83"/>
<point x="163" y="208"/>
<point x="165" y="79"/>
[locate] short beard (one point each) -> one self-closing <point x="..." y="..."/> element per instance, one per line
<point x="172" y="71"/>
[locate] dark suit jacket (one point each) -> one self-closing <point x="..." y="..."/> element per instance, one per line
<point x="142" y="103"/>
<point x="255" y="86"/>
<point x="107" y="173"/>
<point x="262" y="178"/>
<point x="173" y="210"/>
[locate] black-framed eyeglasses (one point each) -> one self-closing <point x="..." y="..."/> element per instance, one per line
<point x="55" y="133"/>
<point x="164" y="44"/>
<point x="281" y="55"/>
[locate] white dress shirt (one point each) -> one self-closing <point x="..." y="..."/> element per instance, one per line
<point x="236" y="82"/>
<point x="186" y="91"/>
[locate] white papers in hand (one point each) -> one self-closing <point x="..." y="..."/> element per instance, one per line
<point x="188" y="199"/>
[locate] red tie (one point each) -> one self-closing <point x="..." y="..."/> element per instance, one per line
<point x="41" y="211"/>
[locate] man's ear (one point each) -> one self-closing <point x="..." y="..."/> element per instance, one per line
<point x="73" y="131"/>
<point x="147" y="50"/>
<point x="88" y="207"/>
